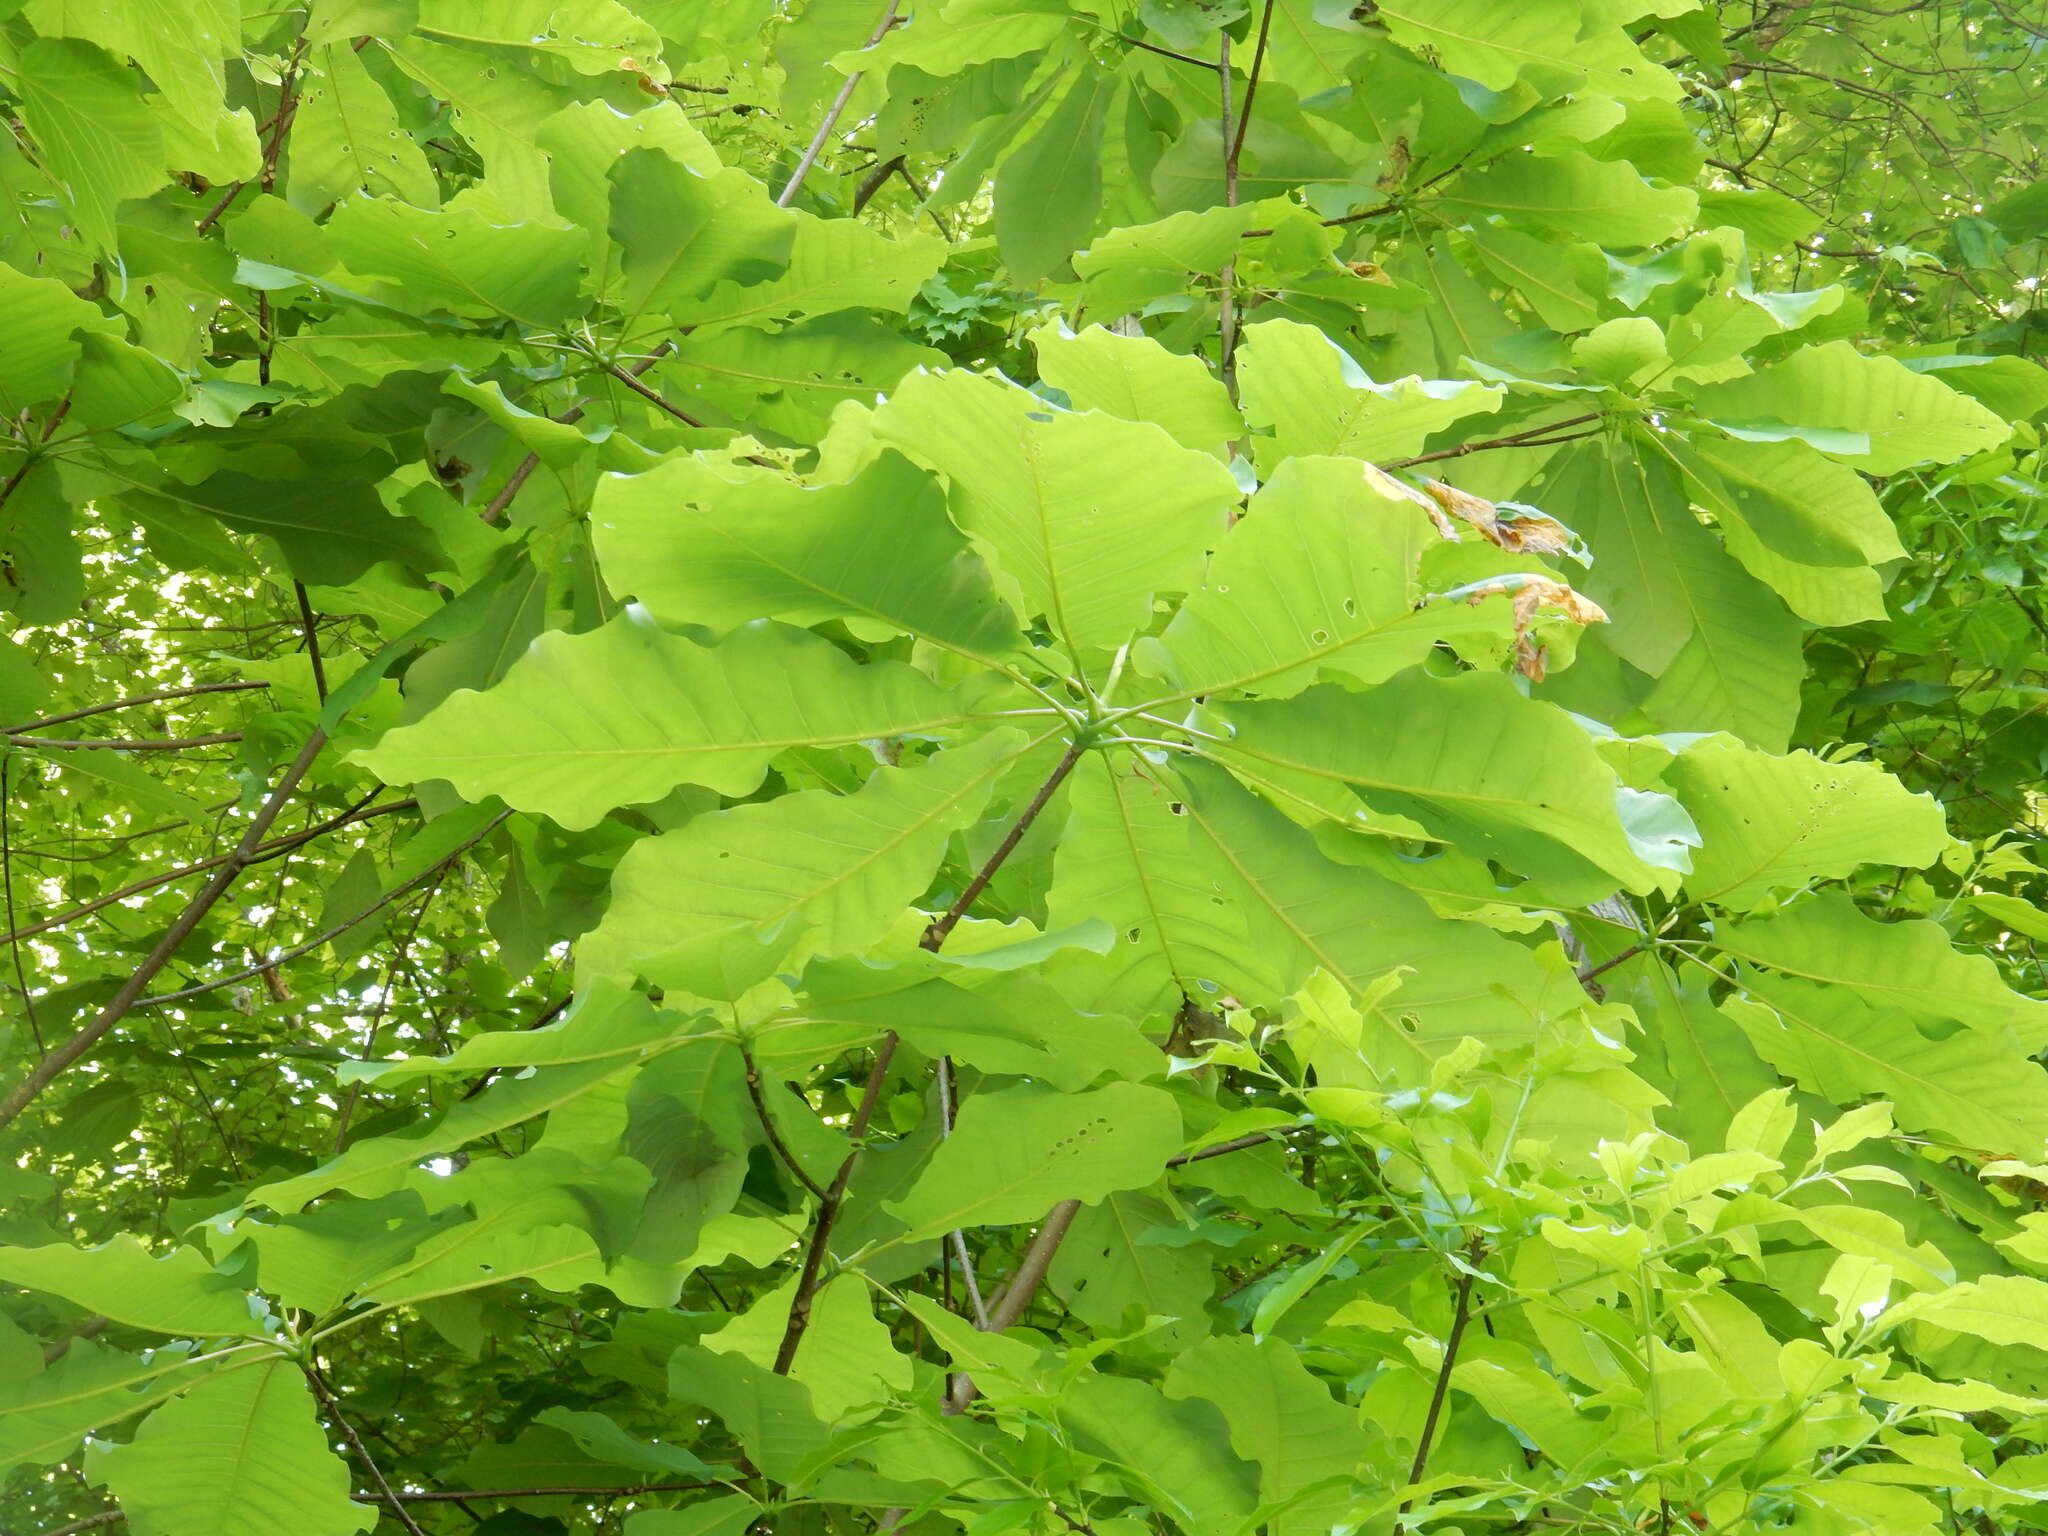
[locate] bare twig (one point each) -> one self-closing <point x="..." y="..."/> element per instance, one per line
<point x="935" y="935"/>
<point x="145" y="698"/>
<point x="362" y="1452"/>
<point x="53" y="1065"/>
<point x="1527" y="438"/>
<point x="273" y="961"/>
<point x="275" y="848"/>
<point x="768" y="1127"/>
<point x="171" y="744"/>
<point x="1461" y="1316"/>
<point x="831" y="120"/>
<point x="312" y="631"/>
<point x="1023" y="1286"/>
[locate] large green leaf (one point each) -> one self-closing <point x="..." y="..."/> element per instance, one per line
<point x="1018" y="1150"/>
<point x="1303" y="389"/>
<point x="1807" y="527"/>
<point x="679" y="234"/>
<point x="722" y="902"/>
<point x="1470" y="758"/>
<point x="1768" y="822"/>
<point x="177" y="1293"/>
<point x="1281" y="1418"/>
<point x="1211" y="890"/>
<point x="1137" y="379"/>
<point x="1085" y="515"/>
<point x="1555" y="42"/>
<point x="623" y="714"/>
<point x="458" y="260"/>
<point x="1723" y="648"/>
<point x="1905" y="417"/>
<point x="717" y="546"/>
<point x="1576" y="195"/>
<point x="1910" y="964"/>
<point x="1322" y="573"/>
<point x="242" y="1454"/>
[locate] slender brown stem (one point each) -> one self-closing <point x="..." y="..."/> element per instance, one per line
<point x="523" y="472"/>
<point x="831" y="120"/>
<point x="936" y="934"/>
<point x="91" y="1328"/>
<point x="1459" y="1319"/>
<point x="143" y="698"/>
<point x="457" y="1494"/>
<point x="325" y="1393"/>
<point x="1251" y="88"/>
<point x="89" y="1523"/>
<point x="871" y="183"/>
<point x="957" y="1239"/>
<point x="1256" y="1139"/>
<point x="312" y="631"/>
<point x="1607" y="965"/>
<point x="172" y="744"/>
<point x="273" y="961"/>
<point x="653" y="396"/>
<point x="1522" y="439"/>
<point x="775" y="1141"/>
<point x="53" y="1065"/>
<point x="267" y="851"/>
<point x="828" y="1210"/>
<point x="1023" y="1286"/>
<point x="1167" y="53"/>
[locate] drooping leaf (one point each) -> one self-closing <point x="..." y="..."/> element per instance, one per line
<point x="240" y="1453"/>
<point x="623" y="714"/>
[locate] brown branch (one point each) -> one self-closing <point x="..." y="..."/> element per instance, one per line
<point x="312" y="632"/>
<point x="1017" y="1295"/>
<point x="91" y="1328"/>
<point x="514" y="482"/>
<point x="1251" y="90"/>
<point x="144" y="698"/>
<point x="173" y="744"/>
<point x="653" y="396"/>
<point x="273" y="961"/>
<point x="835" y="1197"/>
<point x="1607" y="965"/>
<point x="453" y="1495"/>
<point x="362" y="1452"/>
<point x="1459" y="1318"/>
<point x="828" y="1211"/>
<point x="264" y="853"/>
<point x="775" y="1140"/>
<point x="1256" y="1139"/>
<point x="831" y="120"/>
<point x="52" y="1066"/>
<point x="1523" y="439"/>
<point x="871" y="183"/>
<point x="90" y="1522"/>
<point x="936" y="934"/>
<point x="1169" y="53"/>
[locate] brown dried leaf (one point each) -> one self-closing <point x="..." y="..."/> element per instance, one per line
<point x="1530" y="594"/>
<point x="1400" y="490"/>
<point x="1511" y="525"/>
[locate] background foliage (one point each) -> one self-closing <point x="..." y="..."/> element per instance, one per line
<point x="1020" y="766"/>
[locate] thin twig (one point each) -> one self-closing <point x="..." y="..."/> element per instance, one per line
<point x="828" y="1210"/>
<point x="144" y="698"/>
<point x="172" y="744"/>
<point x="514" y="482"/>
<point x="1522" y="439"/>
<point x="936" y="934"/>
<point x="775" y="1140"/>
<point x="1017" y="1295"/>
<point x="53" y="1065"/>
<point x="338" y="929"/>
<point x="28" y="997"/>
<point x="1459" y="1318"/>
<point x="943" y="1076"/>
<point x="817" y="145"/>
<point x="455" y="1495"/>
<point x="90" y="1522"/>
<point x="272" y="849"/>
<point x="362" y="1452"/>
<point x="312" y="632"/>
<point x="1607" y="965"/>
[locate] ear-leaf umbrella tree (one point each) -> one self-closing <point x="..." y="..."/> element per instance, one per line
<point x="1008" y="766"/>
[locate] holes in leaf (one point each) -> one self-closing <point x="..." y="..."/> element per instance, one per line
<point x="1350" y="608"/>
<point x="1319" y="637"/>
